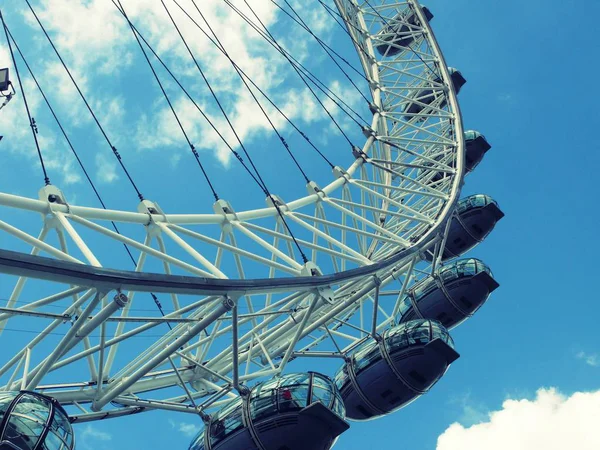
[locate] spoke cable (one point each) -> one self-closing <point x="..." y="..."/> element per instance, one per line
<point x="301" y="70"/>
<point x="256" y="175"/>
<point x="185" y="91"/>
<point x="323" y="44"/>
<point x="225" y="115"/>
<point x="79" y="161"/>
<point x="235" y="153"/>
<point x="270" y="196"/>
<point x="241" y="73"/>
<point x="192" y="148"/>
<point x="32" y="124"/>
<point x="113" y="148"/>
<point x="326" y="48"/>
<point x="331" y="12"/>
<point x="281" y="138"/>
<point x="338" y="126"/>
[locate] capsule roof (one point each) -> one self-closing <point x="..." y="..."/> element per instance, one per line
<point x="475" y="201"/>
<point x="427" y="12"/>
<point x="457" y="79"/>
<point x="420" y="331"/>
<point x="463" y="267"/>
<point x="471" y="135"/>
<point x="449" y="272"/>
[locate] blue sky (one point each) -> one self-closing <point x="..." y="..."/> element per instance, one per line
<point x="530" y="68"/>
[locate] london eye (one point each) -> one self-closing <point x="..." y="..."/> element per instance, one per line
<point x="352" y="251"/>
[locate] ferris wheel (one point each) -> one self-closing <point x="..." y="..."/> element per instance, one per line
<point x="365" y="268"/>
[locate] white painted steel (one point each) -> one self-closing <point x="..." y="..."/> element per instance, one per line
<point x="363" y="231"/>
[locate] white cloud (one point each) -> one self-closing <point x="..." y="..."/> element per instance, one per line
<point x="93" y="433"/>
<point x="91" y="26"/>
<point x="92" y="439"/>
<point x="590" y="359"/>
<point x="106" y="168"/>
<point x="187" y="429"/>
<point x="551" y="421"/>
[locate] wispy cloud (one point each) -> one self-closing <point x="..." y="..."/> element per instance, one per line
<point x="92" y="439"/>
<point x="472" y="410"/>
<point x="187" y="429"/>
<point x="506" y="98"/>
<point x="591" y="359"/>
<point x="106" y="168"/>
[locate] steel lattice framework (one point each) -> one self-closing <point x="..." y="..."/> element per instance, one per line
<point x="367" y="229"/>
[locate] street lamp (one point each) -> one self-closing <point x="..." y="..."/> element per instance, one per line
<point x="5" y="85"/>
<point x="4" y="80"/>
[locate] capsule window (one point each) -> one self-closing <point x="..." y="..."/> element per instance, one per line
<point x="59" y="436"/>
<point x="321" y="392"/>
<point x="341" y="377"/>
<point x="233" y="421"/>
<point x="28" y="420"/>
<point x="264" y="404"/>
<point x="217" y="431"/>
<point x="365" y="357"/>
<point x="52" y="442"/>
<point x="405" y="305"/>
<point x="198" y="443"/>
<point x="293" y="397"/>
<point x="420" y="336"/>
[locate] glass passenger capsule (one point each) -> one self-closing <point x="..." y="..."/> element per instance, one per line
<point x="454" y="294"/>
<point x="476" y="146"/>
<point x="381" y="377"/>
<point x="474" y="219"/>
<point x="399" y="32"/>
<point x="424" y="97"/>
<point x="32" y="421"/>
<point x="297" y="411"/>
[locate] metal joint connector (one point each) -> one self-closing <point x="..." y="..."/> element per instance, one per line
<point x="152" y="209"/>
<point x="228" y="303"/>
<point x="374" y="108"/>
<point x="243" y="390"/>
<point x="121" y="299"/>
<point x="358" y="153"/>
<point x="368" y="132"/>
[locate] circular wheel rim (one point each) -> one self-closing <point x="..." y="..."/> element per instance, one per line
<point x="323" y="298"/>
